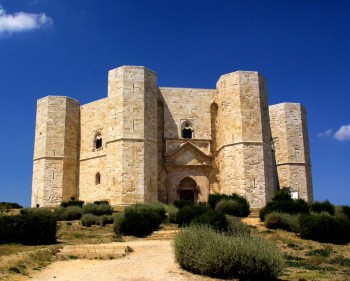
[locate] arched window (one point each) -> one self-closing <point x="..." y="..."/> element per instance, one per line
<point x="97" y="178"/>
<point x="187" y="131"/>
<point x="98" y="141"/>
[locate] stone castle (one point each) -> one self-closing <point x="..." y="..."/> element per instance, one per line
<point x="144" y="143"/>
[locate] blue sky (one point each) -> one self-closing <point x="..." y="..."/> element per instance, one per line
<point x="65" y="47"/>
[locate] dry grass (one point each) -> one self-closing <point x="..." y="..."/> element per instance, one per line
<point x="306" y="260"/>
<point x="18" y="261"/>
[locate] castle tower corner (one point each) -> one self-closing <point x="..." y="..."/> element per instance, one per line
<point x="292" y="151"/>
<point x="244" y="149"/>
<point x="55" y="167"/>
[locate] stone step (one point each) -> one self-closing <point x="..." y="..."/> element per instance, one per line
<point x="254" y="213"/>
<point x="162" y="235"/>
<point x="100" y="251"/>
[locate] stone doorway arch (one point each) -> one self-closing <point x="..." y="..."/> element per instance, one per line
<point x="188" y="189"/>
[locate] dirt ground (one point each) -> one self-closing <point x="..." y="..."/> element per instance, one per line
<point x="150" y="261"/>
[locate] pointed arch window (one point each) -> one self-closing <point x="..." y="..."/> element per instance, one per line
<point x="97" y="178"/>
<point x="187" y="130"/>
<point x="98" y="141"/>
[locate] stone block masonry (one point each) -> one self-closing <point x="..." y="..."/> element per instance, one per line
<point x="144" y="143"/>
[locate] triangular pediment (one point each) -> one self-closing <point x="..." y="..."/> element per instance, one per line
<point x="188" y="154"/>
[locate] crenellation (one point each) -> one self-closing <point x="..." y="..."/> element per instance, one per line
<point x="144" y="143"/>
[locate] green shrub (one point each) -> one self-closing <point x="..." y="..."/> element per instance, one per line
<point x="104" y="220"/>
<point x="72" y="202"/>
<point x="140" y="222"/>
<point x="213" y="199"/>
<point x="118" y="221"/>
<point x="343" y="211"/>
<point x="324" y="206"/>
<point x="157" y="207"/>
<point x="282" y="195"/>
<point x="283" y="221"/>
<point x="172" y="212"/>
<point x="27" y="211"/>
<point x="9" y="205"/>
<point x="69" y="214"/>
<point x="346" y="211"/>
<point x="236" y="227"/>
<point x="40" y="228"/>
<point x="97" y="209"/>
<point x="188" y="213"/>
<point x="213" y="219"/>
<point x="232" y="208"/>
<point x="294" y="207"/>
<point x="183" y="203"/>
<point x="89" y="220"/>
<point x="239" y="208"/>
<point x="101" y="202"/>
<point x="325" y="229"/>
<point x="33" y="228"/>
<point x="11" y="229"/>
<point x="205" y="251"/>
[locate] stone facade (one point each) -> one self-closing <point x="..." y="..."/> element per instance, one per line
<point x="144" y="143"/>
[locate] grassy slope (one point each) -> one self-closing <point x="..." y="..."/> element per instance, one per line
<point x="306" y="260"/>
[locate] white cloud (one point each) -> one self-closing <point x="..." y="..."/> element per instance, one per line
<point x="19" y="22"/>
<point x="328" y="133"/>
<point x="343" y="133"/>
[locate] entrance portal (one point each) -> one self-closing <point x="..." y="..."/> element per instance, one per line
<point x="188" y="190"/>
<point x="187" y="195"/>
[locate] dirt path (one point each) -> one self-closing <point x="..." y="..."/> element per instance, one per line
<point x="150" y="261"/>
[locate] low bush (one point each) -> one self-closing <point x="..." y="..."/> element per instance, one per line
<point x="118" y="220"/>
<point x="157" y="207"/>
<point x="33" y="228"/>
<point x="346" y="211"/>
<point x="97" y="209"/>
<point x="236" y="227"/>
<point x="282" y="195"/>
<point x="104" y="220"/>
<point x="205" y="251"/>
<point x="232" y="208"/>
<point x="9" y="205"/>
<point x="233" y="204"/>
<point x="283" y="221"/>
<point x="89" y="220"/>
<point x="188" y="213"/>
<point x="213" y="199"/>
<point x="183" y="203"/>
<point x="325" y="229"/>
<point x="294" y="207"/>
<point x="27" y="211"/>
<point x="101" y="202"/>
<point x="342" y="211"/>
<point x="213" y="219"/>
<point x="172" y="212"/>
<point x="72" y="202"/>
<point x="139" y="220"/>
<point x="324" y="206"/>
<point x="69" y="214"/>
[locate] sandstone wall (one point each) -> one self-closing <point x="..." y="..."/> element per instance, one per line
<point x="292" y="153"/>
<point x="136" y="89"/>
<point x="55" y="169"/>
<point x="243" y="137"/>
<point x="181" y="104"/>
<point x="144" y="156"/>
